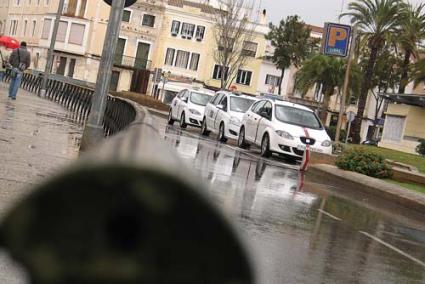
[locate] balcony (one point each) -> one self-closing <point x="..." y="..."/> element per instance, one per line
<point x="128" y="62"/>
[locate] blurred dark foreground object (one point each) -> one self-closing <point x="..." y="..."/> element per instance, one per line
<point x="120" y="224"/>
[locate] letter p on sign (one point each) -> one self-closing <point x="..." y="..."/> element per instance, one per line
<point x="336" y="34"/>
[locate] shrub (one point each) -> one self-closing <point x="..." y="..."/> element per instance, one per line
<point x="364" y="162"/>
<point x="420" y="149"/>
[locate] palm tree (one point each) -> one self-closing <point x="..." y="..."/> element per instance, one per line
<point x="329" y="72"/>
<point x="418" y="72"/>
<point x="412" y="33"/>
<point x="377" y="21"/>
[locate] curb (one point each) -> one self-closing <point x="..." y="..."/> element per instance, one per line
<point x="373" y="186"/>
<point x="157" y="112"/>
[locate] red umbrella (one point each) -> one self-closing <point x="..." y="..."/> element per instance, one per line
<point x="9" y="42"/>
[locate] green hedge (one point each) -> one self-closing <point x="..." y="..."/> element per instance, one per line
<point x="364" y="162"/>
<point x="420" y="149"/>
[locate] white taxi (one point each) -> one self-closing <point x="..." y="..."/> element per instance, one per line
<point x="188" y="107"/>
<point x="223" y="114"/>
<point x="285" y="128"/>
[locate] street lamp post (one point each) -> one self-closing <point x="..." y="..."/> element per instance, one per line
<point x="93" y="132"/>
<point x="49" y="60"/>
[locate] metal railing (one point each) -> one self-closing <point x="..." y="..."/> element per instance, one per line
<point x="118" y="115"/>
<point x="131" y="62"/>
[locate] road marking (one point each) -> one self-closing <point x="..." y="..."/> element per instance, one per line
<point x="329" y="215"/>
<point x="394" y="248"/>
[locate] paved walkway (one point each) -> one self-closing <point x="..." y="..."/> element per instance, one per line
<point x="37" y="137"/>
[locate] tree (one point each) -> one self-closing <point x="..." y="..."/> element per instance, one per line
<point x="329" y="72"/>
<point x="234" y="31"/>
<point x="377" y="21"/>
<point x="412" y="33"/>
<point x="386" y="77"/>
<point x="418" y="72"/>
<point x="292" y="43"/>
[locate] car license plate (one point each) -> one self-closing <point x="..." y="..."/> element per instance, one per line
<point x="301" y="147"/>
<point x="317" y="150"/>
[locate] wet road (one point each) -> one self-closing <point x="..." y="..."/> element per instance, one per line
<point x="302" y="231"/>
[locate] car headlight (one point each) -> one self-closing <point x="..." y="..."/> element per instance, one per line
<point x="235" y="120"/>
<point x="327" y="143"/>
<point x="284" y="134"/>
<point x="194" y="111"/>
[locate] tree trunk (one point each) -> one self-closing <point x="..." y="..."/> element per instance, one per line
<point x="404" y="80"/>
<point x="363" y="95"/>
<point x="222" y="77"/>
<point x="325" y="106"/>
<point x="281" y="81"/>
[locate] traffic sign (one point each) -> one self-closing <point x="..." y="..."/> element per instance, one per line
<point x="127" y="2"/>
<point x="336" y="40"/>
<point x="351" y="115"/>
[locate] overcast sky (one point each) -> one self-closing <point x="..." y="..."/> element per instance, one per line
<point x="314" y="12"/>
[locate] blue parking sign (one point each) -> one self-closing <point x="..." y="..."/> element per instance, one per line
<point x="336" y="40"/>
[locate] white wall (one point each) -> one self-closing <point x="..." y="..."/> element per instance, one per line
<point x="267" y="68"/>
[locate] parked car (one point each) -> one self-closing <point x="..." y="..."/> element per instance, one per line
<point x="188" y="107"/>
<point x="283" y="127"/>
<point x="223" y="115"/>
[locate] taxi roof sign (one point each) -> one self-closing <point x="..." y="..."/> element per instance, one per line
<point x="336" y="40"/>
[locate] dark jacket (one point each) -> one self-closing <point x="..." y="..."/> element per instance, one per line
<point x="20" y="58"/>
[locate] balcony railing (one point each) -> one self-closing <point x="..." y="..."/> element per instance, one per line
<point x="131" y="62"/>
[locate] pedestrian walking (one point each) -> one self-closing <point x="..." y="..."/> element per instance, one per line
<point x="20" y="60"/>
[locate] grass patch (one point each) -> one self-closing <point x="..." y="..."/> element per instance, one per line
<point x="411" y="186"/>
<point x="405" y="158"/>
<point x="143" y="100"/>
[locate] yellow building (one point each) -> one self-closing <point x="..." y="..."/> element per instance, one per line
<point x="187" y="46"/>
<point x="81" y="35"/>
<point x="404" y="121"/>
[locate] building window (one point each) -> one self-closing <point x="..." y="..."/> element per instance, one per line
<point x="61" y="66"/>
<point x="217" y="72"/>
<point x="200" y="31"/>
<point x="394" y="128"/>
<point x="61" y="35"/>
<point x="13" y="27"/>
<point x="244" y="77"/>
<point x="126" y="16"/>
<point x="182" y="59"/>
<point x="25" y="28"/>
<point x="169" y="57"/>
<point x="175" y="28"/>
<point x="34" y="25"/>
<point x="188" y="30"/>
<point x="148" y="20"/>
<point x="249" y="48"/>
<point x="76" y="34"/>
<point x="272" y="80"/>
<point x="71" y="67"/>
<point x="46" y="28"/>
<point x="194" y="61"/>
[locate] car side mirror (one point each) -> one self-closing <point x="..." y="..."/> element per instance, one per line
<point x="221" y="107"/>
<point x="185" y="100"/>
<point x="264" y="114"/>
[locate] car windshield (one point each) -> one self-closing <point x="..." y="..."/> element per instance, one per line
<point x="199" y="98"/>
<point x="298" y="116"/>
<point x="240" y="104"/>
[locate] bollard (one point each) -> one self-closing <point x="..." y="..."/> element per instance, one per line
<point x="306" y="159"/>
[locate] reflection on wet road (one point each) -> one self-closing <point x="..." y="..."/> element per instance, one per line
<point x="301" y="231"/>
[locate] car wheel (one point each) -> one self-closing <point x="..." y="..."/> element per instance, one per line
<point x="183" y="121"/>
<point x="204" y="128"/>
<point x="170" y="118"/>
<point x="265" y="146"/>
<point x="221" y="137"/>
<point x="241" y="139"/>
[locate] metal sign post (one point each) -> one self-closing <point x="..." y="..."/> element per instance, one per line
<point x="345" y="90"/>
<point x="93" y="131"/>
<point x="49" y="59"/>
<point x="350" y="117"/>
